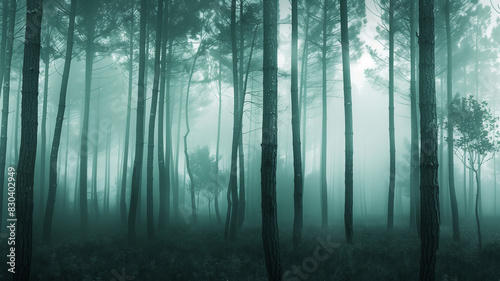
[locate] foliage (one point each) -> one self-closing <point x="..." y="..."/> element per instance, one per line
<point x="476" y="131"/>
<point x="203" y="168"/>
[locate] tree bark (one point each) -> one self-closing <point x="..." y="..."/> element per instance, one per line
<point x="270" y="232"/>
<point x="123" y="203"/>
<point x="392" y="142"/>
<point x="478" y="195"/>
<point x="298" y="184"/>
<point x="242" y="194"/>
<point x="139" y="139"/>
<point x="451" y="165"/>
<point x="324" y="187"/>
<point x="429" y="187"/>
<point x="303" y="88"/>
<point x="349" y="150"/>
<point x="27" y="152"/>
<point x="3" y="42"/>
<point x="216" y="168"/>
<point x="6" y="96"/>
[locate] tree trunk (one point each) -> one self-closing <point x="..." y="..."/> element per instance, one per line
<point x="298" y="183"/>
<point x="152" y="118"/>
<point x="89" y="61"/>
<point x="346" y="65"/>
<point x="164" y="185"/>
<point x="324" y="195"/>
<point x="27" y="152"/>
<point x="392" y="142"/>
<point x="65" y="185"/>
<point x="414" y="146"/>
<point x="303" y="88"/>
<point x="478" y="195"/>
<point x="232" y="227"/>
<point x="451" y="165"/>
<point x="6" y="94"/>
<point x="217" y="184"/>
<point x="123" y="203"/>
<point x="108" y="172"/>
<point x="43" y="142"/>
<point x="54" y="153"/>
<point x="429" y="188"/>
<point x="186" y="154"/>
<point x="3" y="42"/>
<point x="175" y="190"/>
<point x="139" y="138"/>
<point x="95" y="158"/>
<point x="242" y="194"/>
<point x="270" y="235"/>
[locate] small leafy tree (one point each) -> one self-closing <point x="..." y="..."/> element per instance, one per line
<point x="208" y="184"/>
<point x="476" y="138"/>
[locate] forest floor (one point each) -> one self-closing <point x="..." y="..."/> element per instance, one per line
<point x="200" y="253"/>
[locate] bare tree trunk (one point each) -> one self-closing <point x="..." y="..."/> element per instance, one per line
<point x="3" y="42"/>
<point x="324" y="187"/>
<point x="303" y="87"/>
<point x="95" y="157"/>
<point x="54" y="153"/>
<point x="123" y="203"/>
<point x="478" y="195"/>
<point x="27" y="153"/>
<point x="349" y="159"/>
<point x="270" y="232"/>
<point x="139" y="140"/>
<point x="392" y="142"/>
<point x="298" y="184"/>
<point x="6" y="94"/>
<point x="175" y="190"/>
<point x="429" y="188"/>
<point x="217" y="184"/>
<point x="108" y="172"/>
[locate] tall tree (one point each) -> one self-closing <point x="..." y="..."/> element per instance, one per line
<point x="348" y="122"/>
<point x="123" y="203"/>
<point x="270" y="235"/>
<point x="392" y="141"/>
<point x="449" y="93"/>
<point x="3" y="40"/>
<point x="429" y="188"/>
<point x="139" y="138"/>
<point x="152" y="118"/>
<point x="54" y="153"/>
<point x="6" y="96"/>
<point x="27" y="152"/>
<point x="298" y="184"/>
<point x="232" y="214"/>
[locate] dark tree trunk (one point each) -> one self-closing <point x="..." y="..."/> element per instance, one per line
<point x="95" y="159"/>
<point x="175" y="190"/>
<point x="270" y="235"/>
<point x="451" y="166"/>
<point x="164" y="185"/>
<point x="414" y="146"/>
<point x="192" y="187"/>
<point x="123" y="203"/>
<point x="242" y="193"/>
<point x="139" y="139"/>
<point x="303" y="87"/>
<point x="3" y="42"/>
<point x="232" y="223"/>
<point x="43" y="142"/>
<point x="108" y="173"/>
<point x="392" y="142"/>
<point x="152" y="118"/>
<point x="349" y="160"/>
<point x="216" y="168"/>
<point x="27" y="152"/>
<point x="429" y="188"/>
<point x="297" y="161"/>
<point x="6" y="96"/>
<point x="65" y="184"/>
<point x="324" y="187"/>
<point x="478" y="195"/>
<point x="54" y="153"/>
<point x="89" y="61"/>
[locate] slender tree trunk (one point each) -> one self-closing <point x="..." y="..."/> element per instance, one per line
<point x="232" y="227"/>
<point x="16" y="123"/>
<point x="324" y="187"/>
<point x="3" y="42"/>
<point x="451" y="165"/>
<point x="478" y="195"/>
<point x="270" y="233"/>
<point x="27" y="153"/>
<point x="429" y="188"/>
<point x="242" y="193"/>
<point x="65" y="186"/>
<point x="216" y="168"/>
<point x="192" y="187"/>
<point x="139" y="139"/>
<point x="89" y="61"/>
<point x="54" y="153"/>
<point x="414" y="146"/>
<point x="164" y="185"/>
<point x="43" y="146"/>
<point x="303" y="87"/>
<point x="152" y="119"/>
<point x="108" y="172"/>
<point x="298" y="183"/>
<point x="6" y="96"/>
<point x="175" y="190"/>
<point x="95" y="158"/>
<point x="392" y="142"/>
<point x="123" y="203"/>
<point x="349" y="150"/>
